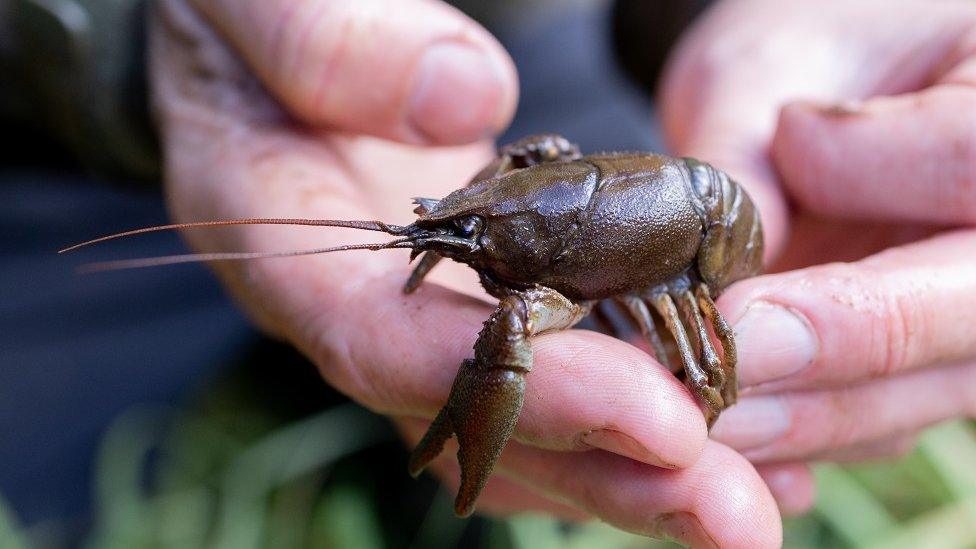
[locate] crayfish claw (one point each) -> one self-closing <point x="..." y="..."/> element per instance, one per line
<point x="482" y="411"/>
<point x="489" y="390"/>
<point x="432" y="444"/>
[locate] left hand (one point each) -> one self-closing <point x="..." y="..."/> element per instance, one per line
<point x="853" y="127"/>
<point x="328" y="109"/>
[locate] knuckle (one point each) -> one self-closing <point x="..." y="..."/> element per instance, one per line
<point x="906" y="326"/>
<point x="897" y="328"/>
<point x="888" y="313"/>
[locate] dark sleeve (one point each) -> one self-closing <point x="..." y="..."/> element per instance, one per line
<point x="644" y="32"/>
<point x="74" y="73"/>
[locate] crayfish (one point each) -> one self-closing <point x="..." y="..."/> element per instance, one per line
<point x="551" y="233"/>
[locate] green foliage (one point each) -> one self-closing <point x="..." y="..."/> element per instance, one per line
<point x="231" y="474"/>
<point x="10" y="535"/>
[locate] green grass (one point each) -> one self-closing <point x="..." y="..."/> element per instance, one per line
<point x="231" y="474"/>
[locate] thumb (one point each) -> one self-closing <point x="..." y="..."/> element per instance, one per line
<point x="416" y="71"/>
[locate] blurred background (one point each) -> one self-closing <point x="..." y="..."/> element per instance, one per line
<point x="139" y="409"/>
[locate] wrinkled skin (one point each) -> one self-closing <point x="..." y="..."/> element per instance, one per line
<point x="550" y="232"/>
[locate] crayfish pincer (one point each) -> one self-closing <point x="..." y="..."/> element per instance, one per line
<point x="551" y="233"/>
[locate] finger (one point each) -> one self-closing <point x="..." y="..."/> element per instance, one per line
<point x="909" y="158"/>
<point x="899" y="310"/>
<point x="718" y="502"/>
<point x="585" y="389"/>
<point x="820" y="424"/>
<point x="417" y="71"/>
<point x="504" y="498"/>
<point x="792" y="485"/>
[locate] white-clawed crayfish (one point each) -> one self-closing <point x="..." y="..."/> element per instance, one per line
<point x="550" y="233"/>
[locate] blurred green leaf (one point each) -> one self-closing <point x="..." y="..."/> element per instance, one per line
<point x="948" y="527"/>
<point x="10" y="535"/>
<point x="282" y="456"/>
<point x="346" y="518"/>
<point x="184" y="517"/>
<point x="951" y="448"/>
<point x="849" y="509"/>
<point x="441" y="529"/>
<point x="123" y="517"/>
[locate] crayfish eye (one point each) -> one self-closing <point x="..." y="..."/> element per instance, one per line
<point x="470" y="226"/>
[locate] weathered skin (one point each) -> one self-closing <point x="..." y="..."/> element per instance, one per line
<point x="550" y="232"/>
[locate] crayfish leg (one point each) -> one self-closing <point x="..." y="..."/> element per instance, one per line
<point x="696" y="377"/>
<point x="726" y="337"/>
<point x="707" y="357"/>
<point x="488" y="392"/>
<point x="427" y="262"/>
<point x="642" y="315"/>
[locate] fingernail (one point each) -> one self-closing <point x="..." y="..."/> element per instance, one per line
<point x="457" y="94"/>
<point x="684" y="528"/>
<point x="753" y="422"/>
<point x="773" y="342"/>
<point x="624" y="445"/>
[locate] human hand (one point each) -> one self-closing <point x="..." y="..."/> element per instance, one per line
<point x="852" y="126"/>
<point x="307" y="110"/>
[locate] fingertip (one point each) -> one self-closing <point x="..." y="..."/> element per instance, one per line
<point x="775" y="336"/>
<point x="735" y="503"/>
<point x="684" y="528"/>
<point x="720" y="499"/>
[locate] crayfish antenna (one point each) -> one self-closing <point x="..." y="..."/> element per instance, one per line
<point x="364" y="225"/>
<point x="232" y="256"/>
